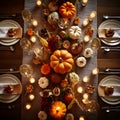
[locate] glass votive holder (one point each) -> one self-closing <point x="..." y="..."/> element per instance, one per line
<point x="85" y="101"/>
<point x="31" y="97"/>
<point x="84" y="2"/>
<point x="38" y="2"/>
<point x="34" y="22"/>
<point x="92" y="15"/>
<point x="86" y="38"/>
<point x="28" y="106"/>
<point x="80" y="89"/>
<point x="85" y="79"/>
<point x="85" y="22"/>
<point x="95" y="43"/>
<point x="33" y="39"/>
<point x="32" y="80"/>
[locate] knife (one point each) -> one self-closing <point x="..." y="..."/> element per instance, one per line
<point x="110" y="17"/>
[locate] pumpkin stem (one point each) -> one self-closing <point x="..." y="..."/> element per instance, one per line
<point x="60" y="60"/>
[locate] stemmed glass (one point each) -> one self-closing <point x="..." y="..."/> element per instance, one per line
<point x="27" y="15"/>
<point x="95" y="43"/>
<point x="26" y="45"/>
<point x="26" y="70"/>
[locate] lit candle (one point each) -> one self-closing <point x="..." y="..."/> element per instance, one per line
<point x="32" y="80"/>
<point x="92" y="15"/>
<point x="33" y="39"/>
<point x="85" y="101"/>
<point x="79" y="89"/>
<point x="31" y="97"/>
<point x="86" y="38"/>
<point x="81" y="118"/>
<point x="95" y="71"/>
<point x="85" y="96"/>
<point x="28" y="106"/>
<point x="38" y="2"/>
<point x="34" y="22"/>
<point x="85" y="22"/>
<point x="85" y="79"/>
<point x="84" y="2"/>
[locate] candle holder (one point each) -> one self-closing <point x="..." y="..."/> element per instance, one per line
<point x="84" y="2"/>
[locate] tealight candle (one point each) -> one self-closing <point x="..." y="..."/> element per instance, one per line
<point x="85" y="96"/>
<point x="28" y="106"/>
<point x="38" y="2"/>
<point x="81" y="118"/>
<point x="32" y="80"/>
<point x="85" y="79"/>
<point x="79" y="89"/>
<point x="92" y="15"/>
<point x="31" y="97"/>
<point x="86" y="38"/>
<point x="33" y="39"/>
<point x="85" y="22"/>
<point x="34" y="22"/>
<point x="95" y="71"/>
<point x="84" y="2"/>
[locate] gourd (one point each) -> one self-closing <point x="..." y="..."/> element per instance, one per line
<point x="58" y="110"/>
<point x="67" y="10"/>
<point x="61" y="61"/>
<point x="74" y="32"/>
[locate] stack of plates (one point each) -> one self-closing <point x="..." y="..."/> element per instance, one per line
<point x="109" y="24"/>
<point x="10" y="24"/>
<point x="111" y="80"/>
<point x="11" y="79"/>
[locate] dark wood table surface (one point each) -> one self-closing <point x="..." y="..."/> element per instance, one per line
<point x="10" y="59"/>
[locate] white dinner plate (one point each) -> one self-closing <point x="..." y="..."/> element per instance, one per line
<point x="111" y="80"/>
<point x="11" y="24"/>
<point x="9" y="78"/>
<point x="109" y="24"/>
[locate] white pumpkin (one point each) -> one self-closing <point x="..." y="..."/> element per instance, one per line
<point x="81" y="61"/>
<point x="53" y="18"/>
<point x="88" y="52"/>
<point x="74" y="32"/>
<point x="43" y="82"/>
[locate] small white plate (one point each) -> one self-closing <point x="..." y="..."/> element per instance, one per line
<point x="9" y="78"/>
<point x="10" y="23"/>
<point x="108" y="24"/>
<point x="110" y="80"/>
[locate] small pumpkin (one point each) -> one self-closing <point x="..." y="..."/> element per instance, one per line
<point x="74" y="32"/>
<point x="58" y="110"/>
<point x="67" y="10"/>
<point x="68" y="97"/>
<point x="45" y="69"/>
<point x="30" y="32"/>
<point x="61" y="61"/>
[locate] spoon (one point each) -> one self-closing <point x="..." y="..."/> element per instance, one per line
<point x="109" y="49"/>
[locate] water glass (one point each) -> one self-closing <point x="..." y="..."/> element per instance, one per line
<point x="27" y="15"/>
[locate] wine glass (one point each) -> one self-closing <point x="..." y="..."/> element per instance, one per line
<point x="26" y="44"/>
<point x="63" y="23"/>
<point x="26" y="15"/>
<point x="95" y="43"/>
<point x="26" y="70"/>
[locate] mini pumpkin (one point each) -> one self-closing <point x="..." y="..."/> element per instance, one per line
<point x="58" y="110"/>
<point x="74" y="32"/>
<point x="61" y="61"/>
<point x="67" y="10"/>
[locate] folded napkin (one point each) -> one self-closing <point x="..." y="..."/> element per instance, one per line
<point x="115" y="35"/>
<point x="116" y="91"/>
<point x="4" y="32"/>
<point x="10" y="88"/>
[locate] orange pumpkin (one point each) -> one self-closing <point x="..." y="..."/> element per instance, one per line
<point x="67" y="10"/>
<point x="61" y="61"/>
<point x="58" y="110"/>
<point x="45" y="69"/>
<point x="30" y="31"/>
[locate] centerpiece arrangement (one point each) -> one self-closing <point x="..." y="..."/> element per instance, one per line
<point x="62" y="51"/>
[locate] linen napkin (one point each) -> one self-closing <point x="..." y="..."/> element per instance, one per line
<point x="4" y="32"/>
<point x="15" y="86"/>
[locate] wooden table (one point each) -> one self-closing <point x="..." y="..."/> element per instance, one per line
<point x="14" y="59"/>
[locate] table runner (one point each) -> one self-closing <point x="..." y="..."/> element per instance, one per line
<point x="83" y="12"/>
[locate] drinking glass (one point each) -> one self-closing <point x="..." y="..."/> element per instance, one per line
<point x="63" y="23"/>
<point x="26" y="70"/>
<point x="27" y="15"/>
<point x="26" y="44"/>
<point x="95" y="43"/>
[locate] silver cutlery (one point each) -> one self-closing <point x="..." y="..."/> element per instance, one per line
<point x="11" y="70"/>
<point x="111" y="17"/>
<point x="11" y="48"/>
<point x="112" y="69"/>
<point x="111" y="49"/>
<point x="109" y="73"/>
<point x="110" y="108"/>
